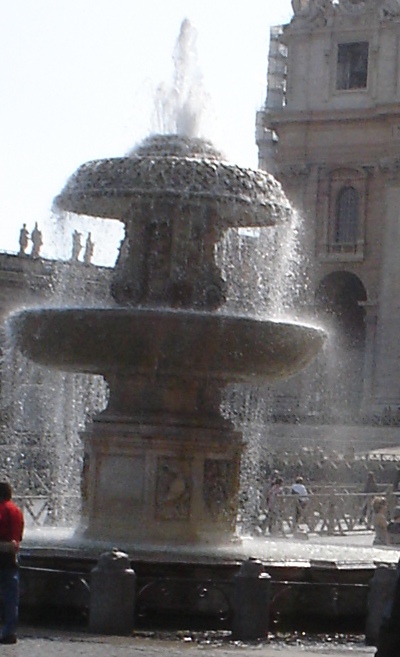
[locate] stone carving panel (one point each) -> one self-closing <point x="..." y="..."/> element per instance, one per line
<point x="173" y="488"/>
<point x="390" y="9"/>
<point x="312" y="11"/>
<point x="219" y="485"/>
<point x="317" y="12"/>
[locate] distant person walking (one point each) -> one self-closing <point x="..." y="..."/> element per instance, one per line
<point x="396" y="481"/>
<point x="274" y="516"/>
<point x="11" y="530"/>
<point x="394" y="527"/>
<point x="299" y="489"/>
<point x="379" y="508"/>
<point x="370" y="488"/>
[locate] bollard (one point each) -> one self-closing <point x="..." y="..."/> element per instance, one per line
<point x="381" y="591"/>
<point x="251" y="599"/>
<point x="112" y="595"/>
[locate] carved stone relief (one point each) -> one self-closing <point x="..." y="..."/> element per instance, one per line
<point x="295" y="170"/>
<point x="219" y="485"/>
<point x="173" y="489"/>
<point x="317" y="12"/>
<point x="390" y="9"/>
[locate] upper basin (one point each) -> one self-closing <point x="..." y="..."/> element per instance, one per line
<point x="168" y="342"/>
<point x="178" y="170"/>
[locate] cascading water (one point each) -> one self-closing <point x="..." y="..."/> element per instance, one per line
<point x="44" y="412"/>
<point x="265" y="273"/>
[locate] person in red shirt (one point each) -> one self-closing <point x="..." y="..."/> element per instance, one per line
<point x="11" y="531"/>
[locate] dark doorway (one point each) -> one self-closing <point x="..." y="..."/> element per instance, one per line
<point x="339" y="300"/>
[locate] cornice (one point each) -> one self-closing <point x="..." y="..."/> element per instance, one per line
<point x="390" y="165"/>
<point x="348" y="115"/>
<point x="294" y="170"/>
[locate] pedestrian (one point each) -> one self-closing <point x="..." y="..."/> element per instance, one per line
<point x="273" y="511"/>
<point x="379" y="508"/>
<point x="396" y="481"/>
<point x="370" y="488"/>
<point x="11" y="530"/>
<point x="394" y="527"/>
<point x="299" y="489"/>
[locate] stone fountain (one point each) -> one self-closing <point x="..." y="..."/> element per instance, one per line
<point x="162" y="462"/>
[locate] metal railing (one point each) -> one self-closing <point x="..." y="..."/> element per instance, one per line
<point x="49" y="510"/>
<point x="334" y="513"/>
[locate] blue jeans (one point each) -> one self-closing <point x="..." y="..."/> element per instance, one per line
<point x="9" y="590"/>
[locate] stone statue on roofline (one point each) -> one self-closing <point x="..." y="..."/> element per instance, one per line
<point x="37" y="241"/>
<point x="89" y="248"/>
<point x="311" y="11"/>
<point x="300" y="6"/>
<point x="76" y="245"/>
<point x="23" y="240"/>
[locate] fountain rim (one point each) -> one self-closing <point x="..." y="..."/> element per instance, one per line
<point x="191" y="177"/>
<point x="214" y="345"/>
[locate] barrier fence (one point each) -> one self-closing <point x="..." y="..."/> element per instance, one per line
<point x="331" y="513"/>
<point x="49" y="510"/>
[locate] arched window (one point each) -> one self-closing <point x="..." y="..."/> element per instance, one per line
<point x="346" y="216"/>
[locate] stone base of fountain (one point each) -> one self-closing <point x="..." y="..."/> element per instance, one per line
<point x="160" y="483"/>
<point x="191" y="588"/>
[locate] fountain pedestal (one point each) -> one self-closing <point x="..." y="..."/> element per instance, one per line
<point x="156" y="485"/>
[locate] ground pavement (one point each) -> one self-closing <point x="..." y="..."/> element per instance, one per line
<point x="41" y="642"/>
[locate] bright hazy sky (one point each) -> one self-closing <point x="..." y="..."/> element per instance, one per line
<point x="78" y="78"/>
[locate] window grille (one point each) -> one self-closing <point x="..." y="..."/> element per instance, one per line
<point x="346" y="216"/>
<point x="352" y="68"/>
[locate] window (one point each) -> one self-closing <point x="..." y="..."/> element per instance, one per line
<point x="346" y="216"/>
<point x="352" y="68"/>
<point x="342" y="207"/>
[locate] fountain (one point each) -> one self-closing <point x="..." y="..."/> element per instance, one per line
<point x="162" y="463"/>
<point x="161" y="470"/>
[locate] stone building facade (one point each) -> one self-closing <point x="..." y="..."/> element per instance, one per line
<point x="330" y="132"/>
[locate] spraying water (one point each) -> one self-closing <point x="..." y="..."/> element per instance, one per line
<point x="181" y="106"/>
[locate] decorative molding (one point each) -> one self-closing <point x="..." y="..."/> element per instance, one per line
<point x="317" y="13"/>
<point x="314" y="12"/>
<point x="389" y="9"/>
<point x="389" y="164"/>
<point x="295" y="170"/>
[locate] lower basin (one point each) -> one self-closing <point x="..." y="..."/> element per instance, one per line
<point x="164" y="341"/>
